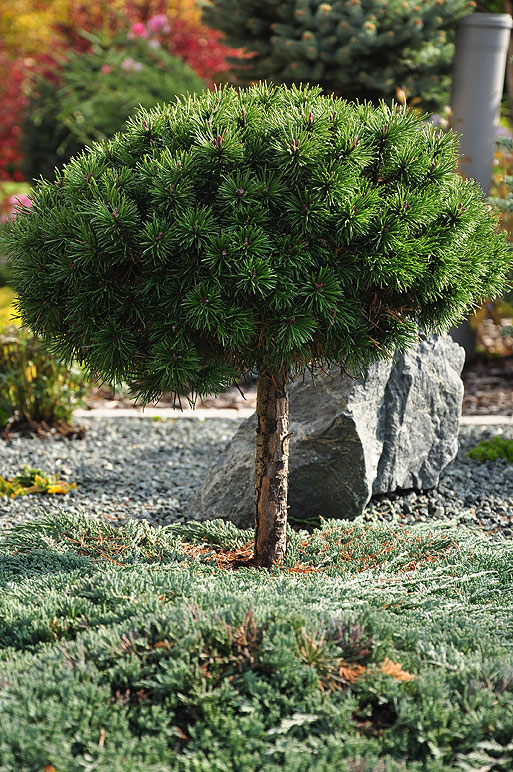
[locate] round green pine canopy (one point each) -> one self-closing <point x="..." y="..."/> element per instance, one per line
<point x="269" y="227"/>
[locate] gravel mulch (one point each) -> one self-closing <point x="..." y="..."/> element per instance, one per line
<point x="137" y="467"/>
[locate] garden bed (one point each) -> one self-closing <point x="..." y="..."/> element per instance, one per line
<point x="488" y="387"/>
<point x="373" y="648"/>
<point x="144" y="468"/>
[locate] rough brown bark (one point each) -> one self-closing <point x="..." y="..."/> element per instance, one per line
<point x="272" y="467"/>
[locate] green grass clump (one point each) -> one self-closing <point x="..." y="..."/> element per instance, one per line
<point x="373" y="648"/>
<point x="491" y="450"/>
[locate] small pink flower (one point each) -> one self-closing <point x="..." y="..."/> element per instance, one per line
<point x="17" y="203"/>
<point x="106" y="68"/>
<point x="159" y="24"/>
<point x="21" y="200"/>
<point x="138" y="30"/>
<point x="130" y="65"/>
<point x="154" y="43"/>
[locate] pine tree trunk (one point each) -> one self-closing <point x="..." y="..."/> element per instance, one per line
<point x="272" y="468"/>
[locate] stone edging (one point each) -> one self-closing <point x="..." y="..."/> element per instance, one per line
<point x="165" y="412"/>
<point x="243" y="412"/>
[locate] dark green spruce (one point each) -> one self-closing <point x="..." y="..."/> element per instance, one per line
<point x="268" y="228"/>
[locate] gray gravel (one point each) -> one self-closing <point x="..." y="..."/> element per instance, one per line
<point x="480" y="493"/>
<point x="136" y="467"/>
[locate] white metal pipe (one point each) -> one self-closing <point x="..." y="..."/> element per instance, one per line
<point x="478" y="80"/>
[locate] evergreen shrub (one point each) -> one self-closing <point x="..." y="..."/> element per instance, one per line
<point x="268" y="228"/>
<point x="359" y="49"/>
<point x="90" y="96"/>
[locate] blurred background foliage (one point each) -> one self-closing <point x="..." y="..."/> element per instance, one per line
<point x="94" y="94"/>
<point x="29" y="26"/>
<point x="38" y="36"/>
<point x="36" y="388"/>
<point x="357" y="49"/>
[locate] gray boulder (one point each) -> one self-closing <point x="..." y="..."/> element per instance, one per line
<point x="396" y="428"/>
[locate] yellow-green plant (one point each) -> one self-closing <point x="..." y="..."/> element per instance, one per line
<point x="36" y="386"/>
<point x="33" y="481"/>
<point x="6" y="308"/>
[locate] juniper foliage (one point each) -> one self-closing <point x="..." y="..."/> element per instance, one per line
<point x="119" y="653"/>
<point x="269" y="227"/>
<point x="359" y="49"/>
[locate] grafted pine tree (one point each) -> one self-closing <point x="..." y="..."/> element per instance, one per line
<point x="268" y="228"/>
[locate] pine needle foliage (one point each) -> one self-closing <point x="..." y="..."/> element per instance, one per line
<point x="118" y="652"/>
<point x="270" y="227"/>
<point x="358" y="49"/>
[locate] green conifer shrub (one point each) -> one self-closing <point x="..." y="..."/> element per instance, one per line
<point x="358" y="49"/>
<point x="271" y="228"/>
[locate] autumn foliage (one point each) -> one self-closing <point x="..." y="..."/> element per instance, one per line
<point x="13" y="102"/>
<point x="29" y="29"/>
